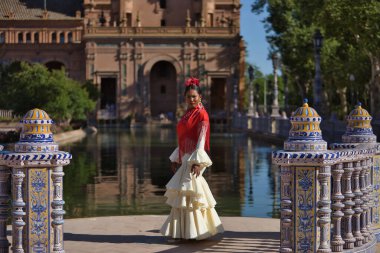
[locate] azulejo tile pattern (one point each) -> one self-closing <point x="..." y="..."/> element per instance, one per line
<point x="376" y="192"/>
<point x="305" y="133"/>
<point x="39" y="210"/>
<point x="305" y="208"/>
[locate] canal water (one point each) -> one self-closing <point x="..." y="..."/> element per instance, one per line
<point x="124" y="172"/>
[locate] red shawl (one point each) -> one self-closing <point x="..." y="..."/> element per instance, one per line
<point x="190" y="128"/>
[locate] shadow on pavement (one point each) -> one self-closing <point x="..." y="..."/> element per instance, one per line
<point x="115" y="238"/>
<point x="229" y="241"/>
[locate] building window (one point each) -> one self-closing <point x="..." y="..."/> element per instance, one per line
<point x="197" y="19"/>
<point x="70" y="37"/>
<point x="129" y="19"/>
<point x="163" y="22"/>
<point x="163" y="4"/>
<point x="36" y="38"/>
<point x="61" y="38"/>
<point x="53" y="38"/>
<point x="163" y="89"/>
<point x="28" y="38"/>
<point x="2" y="38"/>
<point x="19" y="38"/>
<point x="210" y="20"/>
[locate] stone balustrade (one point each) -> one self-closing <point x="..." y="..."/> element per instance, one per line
<point x="40" y="36"/>
<point x="329" y="198"/>
<point x="8" y="114"/>
<point x="133" y="32"/>
<point x="35" y="170"/>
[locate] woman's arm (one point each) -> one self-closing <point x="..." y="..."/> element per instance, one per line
<point x="203" y="127"/>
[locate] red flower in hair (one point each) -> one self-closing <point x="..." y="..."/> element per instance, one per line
<point x="192" y="81"/>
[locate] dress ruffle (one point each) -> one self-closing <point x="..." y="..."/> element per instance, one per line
<point x="193" y="215"/>
<point x="199" y="156"/>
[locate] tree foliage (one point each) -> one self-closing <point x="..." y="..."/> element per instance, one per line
<point x="26" y="86"/>
<point x="350" y="54"/>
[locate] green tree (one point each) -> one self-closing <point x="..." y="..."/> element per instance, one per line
<point x="351" y="47"/>
<point x="26" y="86"/>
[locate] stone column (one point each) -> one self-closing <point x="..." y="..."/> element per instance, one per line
<point x="324" y="211"/>
<point x="337" y="197"/>
<point x="348" y="204"/>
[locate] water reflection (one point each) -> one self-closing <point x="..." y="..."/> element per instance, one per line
<point x="124" y="172"/>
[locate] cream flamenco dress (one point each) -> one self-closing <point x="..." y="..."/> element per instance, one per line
<point x="192" y="215"/>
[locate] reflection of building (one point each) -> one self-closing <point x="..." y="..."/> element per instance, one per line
<point x="137" y="52"/>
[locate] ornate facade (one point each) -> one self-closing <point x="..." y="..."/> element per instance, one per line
<point x="137" y="53"/>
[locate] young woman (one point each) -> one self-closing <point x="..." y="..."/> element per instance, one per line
<point x="192" y="215"/>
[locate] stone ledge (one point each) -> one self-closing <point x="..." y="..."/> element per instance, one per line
<point x="69" y="136"/>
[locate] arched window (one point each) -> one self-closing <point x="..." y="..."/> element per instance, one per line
<point x="53" y="37"/>
<point x="20" y="38"/>
<point x="70" y="37"/>
<point x="61" y="38"/>
<point x="36" y="37"/>
<point x="28" y="38"/>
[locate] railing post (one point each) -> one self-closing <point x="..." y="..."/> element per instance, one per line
<point x="358" y="204"/>
<point x="348" y="237"/>
<point x="337" y="206"/>
<point x="365" y="207"/>
<point x="37" y="187"/>
<point x="18" y="213"/>
<point x="324" y="211"/>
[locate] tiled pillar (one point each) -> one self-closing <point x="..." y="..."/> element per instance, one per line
<point x="305" y="185"/>
<point x="37" y="172"/>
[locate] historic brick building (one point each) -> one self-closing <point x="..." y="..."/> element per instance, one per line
<point x="138" y="52"/>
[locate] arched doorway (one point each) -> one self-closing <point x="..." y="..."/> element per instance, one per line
<point x="54" y="65"/>
<point x="163" y="89"/>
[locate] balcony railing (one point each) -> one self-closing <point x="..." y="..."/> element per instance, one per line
<point x="92" y="31"/>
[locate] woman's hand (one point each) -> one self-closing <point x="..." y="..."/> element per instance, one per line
<point x="175" y="166"/>
<point x="196" y="169"/>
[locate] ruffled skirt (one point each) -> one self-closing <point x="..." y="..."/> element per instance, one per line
<point x="192" y="215"/>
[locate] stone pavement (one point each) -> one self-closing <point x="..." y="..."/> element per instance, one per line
<point x="124" y="234"/>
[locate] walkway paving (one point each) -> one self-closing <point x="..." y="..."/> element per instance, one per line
<point x="137" y="234"/>
<point x="140" y="234"/>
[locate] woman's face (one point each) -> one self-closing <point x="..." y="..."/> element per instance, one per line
<point x="192" y="98"/>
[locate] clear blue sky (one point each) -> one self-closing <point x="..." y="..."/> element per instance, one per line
<point x="253" y="32"/>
